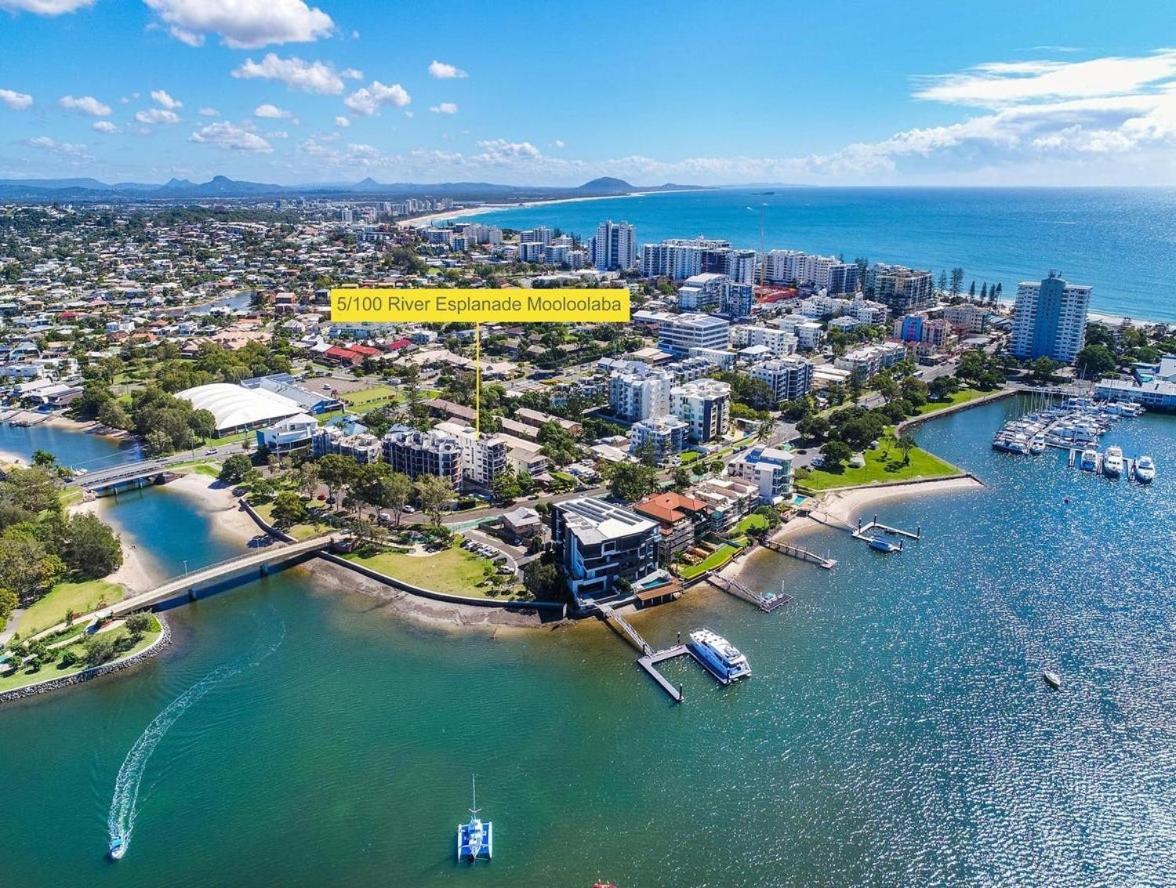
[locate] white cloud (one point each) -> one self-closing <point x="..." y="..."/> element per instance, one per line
<point x="157" y="115"/>
<point x="296" y="73"/>
<point x="500" y="151"/>
<point x="44" y="7"/>
<point x="209" y="112"/>
<point x="243" y="24"/>
<point x="342" y="121"/>
<point x="1001" y="84"/>
<point x="445" y="71"/>
<point x="444" y="108"/>
<point x="560" y="143"/>
<point x="104" y="126"/>
<point x="272" y="112"/>
<point x="85" y="105"/>
<point x="166" y="101"/>
<point x="70" y="150"/>
<point x="278" y="134"/>
<point x="368" y="99"/>
<point x="231" y="138"/>
<point x="16" y="101"/>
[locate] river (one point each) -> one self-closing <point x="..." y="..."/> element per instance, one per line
<point x="895" y="730"/>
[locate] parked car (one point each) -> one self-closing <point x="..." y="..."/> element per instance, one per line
<point x="407" y="510"/>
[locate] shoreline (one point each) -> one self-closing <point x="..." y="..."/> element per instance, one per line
<point x="446" y="215"/>
<point x="836" y="510"/>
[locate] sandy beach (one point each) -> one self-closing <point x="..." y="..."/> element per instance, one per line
<point x="433" y="218"/>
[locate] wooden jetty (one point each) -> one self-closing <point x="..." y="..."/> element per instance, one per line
<point x="801" y="554"/>
<point x="764" y="602"/>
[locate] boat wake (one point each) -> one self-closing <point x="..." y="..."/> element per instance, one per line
<point x="124" y="804"/>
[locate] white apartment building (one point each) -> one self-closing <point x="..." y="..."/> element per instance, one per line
<point x="789" y="378"/>
<point x="809" y="334"/>
<point x="864" y="362"/>
<point x="483" y="457"/>
<point x="779" y="342"/>
<point x="614" y="248"/>
<point x="1049" y="319"/>
<point x="639" y="392"/>
<point x="680" y="258"/>
<point x="680" y="333"/>
<point x="703" y="292"/>
<point x="665" y="435"/>
<point x="967" y="317"/>
<point x="769" y="469"/>
<point x="705" y="406"/>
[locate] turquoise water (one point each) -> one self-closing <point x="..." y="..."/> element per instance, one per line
<point x="72" y="448"/>
<point x="1122" y="241"/>
<point x="896" y="729"/>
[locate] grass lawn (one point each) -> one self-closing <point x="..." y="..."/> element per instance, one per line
<point x="298" y="531"/>
<point x="236" y="438"/>
<point x="453" y="571"/>
<point x="750" y="522"/>
<point x="717" y="558"/>
<point x="370" y="398"/>
<point x="49" y="671"/>
<point x="81" y="598"/>
<point x="963" y="396"/>
<point x="922" y="465"/>
<point x="689" y="456"/>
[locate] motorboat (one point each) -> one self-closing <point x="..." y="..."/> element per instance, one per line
<point x="1037" y="444"/>
<point x="718" y="655"/>
<point x="1089" y="460"/>
<point x="118" y="847"/>
<point x="1052" y="679"/>
<point x="1145" y="469"/>
<point x="1113" y="461"/>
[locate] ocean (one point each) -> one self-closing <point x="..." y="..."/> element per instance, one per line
<point x="896" y="729"/>
<point x="1121" y="241"/>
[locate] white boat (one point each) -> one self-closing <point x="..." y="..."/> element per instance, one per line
<point x="475" y="838"/>
<point x="1113" y="461"/>
<point x="1052" y="679"/>
<point x="1089" y="460"/>
<point x="1037" y="443"/>
<point x="1145" y="469"/>
<point x="722" y="658"/>
<point x="118" y="847"/>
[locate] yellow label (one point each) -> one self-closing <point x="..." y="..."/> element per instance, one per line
<point x="516" y="304"/>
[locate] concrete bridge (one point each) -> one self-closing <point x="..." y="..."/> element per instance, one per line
<point x="261" y="561"/>
<point x="123" y="474"/>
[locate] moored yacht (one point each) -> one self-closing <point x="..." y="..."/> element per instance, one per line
<point x="475" y="838"/>
<point x="1037" y="443"/>
<point x="1145" y="469"/>
<point x="1113" y="461"/>
<point x="722" y="658"/>
<point x="1089" y="461"/>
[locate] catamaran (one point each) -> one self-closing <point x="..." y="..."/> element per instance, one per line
<point x="1145" y="469"/>
<point x="475" y="839"/>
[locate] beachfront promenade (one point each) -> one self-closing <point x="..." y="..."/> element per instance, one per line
<point x="207" y="576"/>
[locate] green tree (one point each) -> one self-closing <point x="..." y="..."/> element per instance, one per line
<point x="1042" y="370"/>
<point x="113" y="415"/>
<point x="630" y="482"/>
<point x="44" y="459"/>
<point x="337" y="471"/>
<point x="91" y="548"/>
<point x="1095" y="361"/>
<point x="434" y="493"/>
<point x="906" y="444"/>
<point x="99" y="648"/>
<point x="235" y="468"/>
<point x="138" y="624"/>
<point x="288" y="509"/>
<point x="836" y="454"/>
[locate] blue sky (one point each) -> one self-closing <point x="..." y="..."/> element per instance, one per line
<point x="832" y="92"/>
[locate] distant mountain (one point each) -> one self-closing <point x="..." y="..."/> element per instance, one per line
<point x="224" y="188"/>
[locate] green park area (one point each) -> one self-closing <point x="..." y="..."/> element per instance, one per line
<point x="886" y="462"/>
<point x="452" y="571"/>
<point x="716" y="559"/>
<point x="81" y="598"/>
<point x="963" y="396"/>
<point x="73" y="651"/>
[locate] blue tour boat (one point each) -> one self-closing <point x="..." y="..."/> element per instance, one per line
<point x="475" y="839"/>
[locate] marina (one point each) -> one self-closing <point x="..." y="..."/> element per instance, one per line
<point x="1074" y="423"/>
